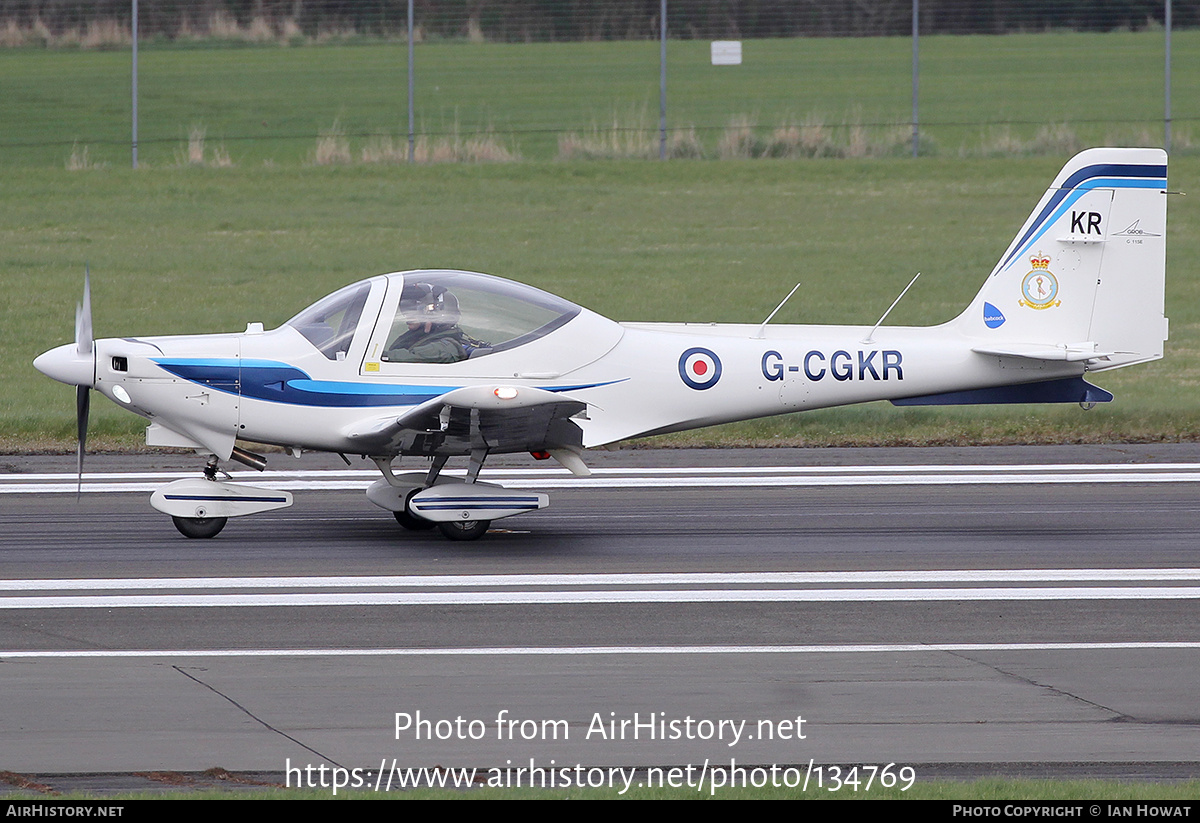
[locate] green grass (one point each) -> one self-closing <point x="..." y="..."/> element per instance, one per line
<point x="268" y="103"/>
<point x="201" y="249"/>
<point x="207" y="250"/>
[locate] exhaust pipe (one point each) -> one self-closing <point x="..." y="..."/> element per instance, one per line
<point x="254" y="461"/>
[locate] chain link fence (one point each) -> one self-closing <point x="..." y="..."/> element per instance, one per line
<point x="302" y="81"/>
<point x="572" y="20"/>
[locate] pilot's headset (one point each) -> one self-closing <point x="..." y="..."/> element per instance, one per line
<point x="426" y="303"/>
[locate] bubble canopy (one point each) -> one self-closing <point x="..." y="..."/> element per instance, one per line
<point x="496" y="314"/>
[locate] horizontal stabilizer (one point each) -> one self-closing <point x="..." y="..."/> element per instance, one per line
<point x="1066" y="390"/>
<point x="1069" y="353"/>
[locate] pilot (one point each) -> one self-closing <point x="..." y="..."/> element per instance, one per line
<point x="433" y="335"/>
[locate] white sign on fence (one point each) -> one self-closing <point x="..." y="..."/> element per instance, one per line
<point x="727" y="52"/>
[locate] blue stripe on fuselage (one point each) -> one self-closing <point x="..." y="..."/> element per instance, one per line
<point x="278" y="382"/>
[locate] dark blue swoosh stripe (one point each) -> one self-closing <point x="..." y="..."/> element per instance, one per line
<point x="280" y="383"/>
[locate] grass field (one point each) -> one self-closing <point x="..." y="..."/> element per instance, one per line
<point x="180" y="247"/>
<point x="204" y="250"/>
<point x="268" y="104"/>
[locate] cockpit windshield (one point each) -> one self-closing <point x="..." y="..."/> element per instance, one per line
<point x="330" y="323"/>
<point x="446" y="316"/>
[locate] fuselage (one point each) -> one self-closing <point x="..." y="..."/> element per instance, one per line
<point x="310" y="391"/>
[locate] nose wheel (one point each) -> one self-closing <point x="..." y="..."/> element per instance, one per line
<point x="200" y="528"/>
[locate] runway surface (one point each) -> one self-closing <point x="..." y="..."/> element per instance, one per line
<point x="909" y="606"/>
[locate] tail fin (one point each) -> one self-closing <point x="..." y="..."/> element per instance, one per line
<point x="1084" y="279"/>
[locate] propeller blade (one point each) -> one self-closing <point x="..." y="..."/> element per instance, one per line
<point x="83" y="402"/>
<point x="83" y="347"/>
<point x="83" y="316"/>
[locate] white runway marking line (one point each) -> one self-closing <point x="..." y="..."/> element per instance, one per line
<point x="741" y="476"/>
<point x="593" y="597"/>
<point x="527" y="589"/>
<point x="371" y="474"/>
<point x="556" y="651"/>
<point x="609" y="579"/>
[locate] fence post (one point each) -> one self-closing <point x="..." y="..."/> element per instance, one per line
<point x="1167" y="80"/>
<point x="662" y="80"/>
<point x="411" y="148"/>
<point x="916" y="77"/>
<point x="133" y="85"/>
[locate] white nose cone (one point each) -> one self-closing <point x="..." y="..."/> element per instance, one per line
<point x="66" y="365"/>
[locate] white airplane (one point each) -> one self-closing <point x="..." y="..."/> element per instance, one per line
<point x="437" y="363"/>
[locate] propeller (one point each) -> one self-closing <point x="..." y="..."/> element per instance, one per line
<point x="84" y="348"/>
<point x="75" y="365"/>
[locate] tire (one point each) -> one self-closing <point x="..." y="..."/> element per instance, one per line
<point x="409" y="520"/>
<point x="464" y="529"/>
<point x="200" y="528"/>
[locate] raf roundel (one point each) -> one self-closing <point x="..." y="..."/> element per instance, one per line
<point x="700" y="368"/>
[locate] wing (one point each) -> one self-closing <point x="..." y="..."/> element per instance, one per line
<point x="498" y="419"/>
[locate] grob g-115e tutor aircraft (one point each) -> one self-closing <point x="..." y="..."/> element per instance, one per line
<point x="440" y="363"/>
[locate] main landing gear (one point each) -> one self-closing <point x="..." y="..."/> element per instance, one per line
<point x="464" y="529"/>
<point x="410" y="521"/>
<point x="460" y="509"/>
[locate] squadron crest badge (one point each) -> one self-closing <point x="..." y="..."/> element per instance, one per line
<point x="1040" y="286"/>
